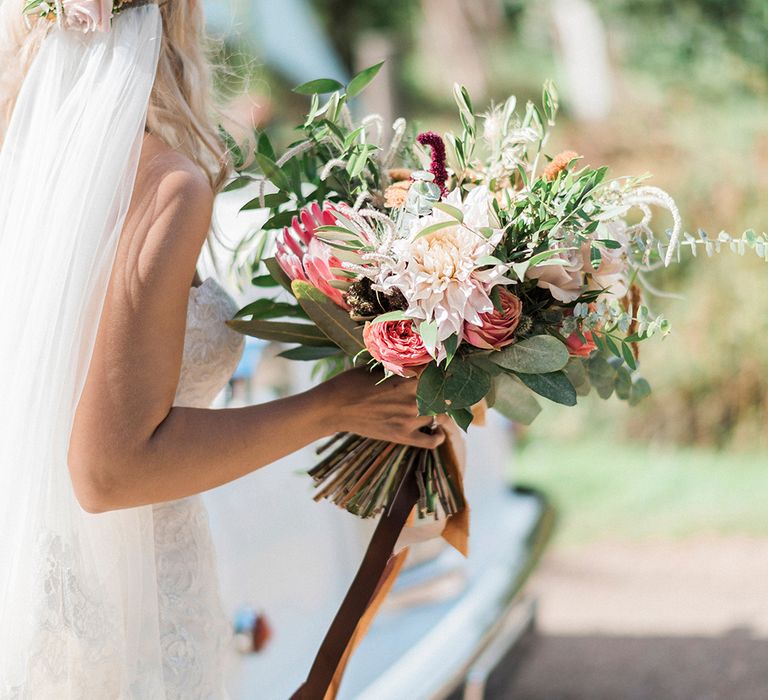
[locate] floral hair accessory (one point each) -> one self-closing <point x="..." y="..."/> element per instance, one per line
<point x="80" y="15"/>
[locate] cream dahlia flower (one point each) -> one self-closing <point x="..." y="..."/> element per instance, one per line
<point x="441" y="274"/>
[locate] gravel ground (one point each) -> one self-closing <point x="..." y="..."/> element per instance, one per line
<point x="683" y="620"/>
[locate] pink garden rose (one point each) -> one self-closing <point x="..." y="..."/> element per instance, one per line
<point x="396" y="345"/>
<point x="87" y="15"/>
<point x="305" y="257"/>
<point x="498" y="327"/>
<point x="578" y="347"/>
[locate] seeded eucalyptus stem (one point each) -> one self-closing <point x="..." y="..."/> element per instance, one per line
<point x="363" y="475"/>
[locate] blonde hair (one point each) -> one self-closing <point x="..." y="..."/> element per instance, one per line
<point x="181" y="109"/>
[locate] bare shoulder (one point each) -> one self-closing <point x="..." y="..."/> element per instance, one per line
<point x="172" y="176"/>
<point x="172" y="197"/>
<point x="169" y="217"/>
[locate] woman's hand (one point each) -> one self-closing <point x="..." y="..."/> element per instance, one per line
<point x="358" y="401"/>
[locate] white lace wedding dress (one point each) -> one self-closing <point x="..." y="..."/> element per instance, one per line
<point x="77" y="653"/>
<point x="195" y="634"/>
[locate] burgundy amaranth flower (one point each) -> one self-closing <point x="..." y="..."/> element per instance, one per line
<point x="437" y="167"/>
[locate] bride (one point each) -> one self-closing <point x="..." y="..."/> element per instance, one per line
<point x="113" y="351"/>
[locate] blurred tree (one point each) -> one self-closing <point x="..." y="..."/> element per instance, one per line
<point x="686" y="39"/>
<point x="345" y="21"/>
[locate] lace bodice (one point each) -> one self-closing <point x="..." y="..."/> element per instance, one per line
<point x="194" y="632"/>
<point x="211" y="349"/>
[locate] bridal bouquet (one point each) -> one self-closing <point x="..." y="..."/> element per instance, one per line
<point x="472" y="262"/>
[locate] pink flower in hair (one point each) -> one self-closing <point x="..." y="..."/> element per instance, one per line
<point x="87" y="15"/>
<point x="303" y="256"/>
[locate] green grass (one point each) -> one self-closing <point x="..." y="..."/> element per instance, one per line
<point x="607" y="490"/>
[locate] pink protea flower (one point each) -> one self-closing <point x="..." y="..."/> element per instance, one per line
<point x="303" y="256"/>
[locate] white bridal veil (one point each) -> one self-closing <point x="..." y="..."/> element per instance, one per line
<point x="77" y="592"/>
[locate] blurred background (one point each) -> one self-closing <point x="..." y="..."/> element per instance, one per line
<point x="656" y="580"/>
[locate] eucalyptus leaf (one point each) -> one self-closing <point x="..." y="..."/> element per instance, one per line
<point x="611" y="344"/>
<point x="488" y="260"/>
<point x="554" y="386"/>
<point x="451" y="345"/>
<point x="629" y="356"/>
<point x="640" y="390"/>
<point x="536" y="355"/>
<point x="602" y="375"/>
<point x="623" y="384"/>
<point x="460" y="385"/>
<point x="482" y="360"/>
<point x="514" y="400"/>
<point x="578" y="376"/>
<point x="428" y="332"/>
<point x="463" y="417"/>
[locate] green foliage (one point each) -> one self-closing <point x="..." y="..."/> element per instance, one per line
<point x="554" y="386"/>
<point x="332" y="320"/>
<point x="301" y="333"/>
<point x="460" y="385"/>
<point x="513" y="399"/>
<point x="264" y="309"/>
<point x="536" y="355"/>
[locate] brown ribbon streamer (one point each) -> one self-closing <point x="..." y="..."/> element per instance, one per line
<point x="374" y="580"/>
<point x="371" y="576"/>
<point x="388" y="578"/>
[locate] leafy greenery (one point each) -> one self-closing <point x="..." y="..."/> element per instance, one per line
<point x="332" y="320"/>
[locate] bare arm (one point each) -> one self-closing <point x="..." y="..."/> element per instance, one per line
<point x="129" y="445"/>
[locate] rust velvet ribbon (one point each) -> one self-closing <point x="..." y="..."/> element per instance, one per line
<point x="375" y="578"/>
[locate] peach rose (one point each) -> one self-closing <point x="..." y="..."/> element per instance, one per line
<point x="578" y="347"/>
<point x="564" y="282"/>
<point x="396" y="345"/>
<point x="87" y="15"/>
<point x="611" y="273"/>
<point x="498" y="327"/>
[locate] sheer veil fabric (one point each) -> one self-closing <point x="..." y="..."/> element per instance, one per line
<point x="78" y="595"/>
